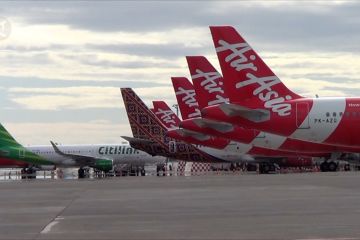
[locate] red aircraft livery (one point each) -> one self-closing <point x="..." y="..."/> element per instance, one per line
<point x="219" y="142"/>
<point x="210" y="97"/>
<point x="259" y="100"/>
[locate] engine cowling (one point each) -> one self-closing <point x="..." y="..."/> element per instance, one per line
<point x="103" y="165"/>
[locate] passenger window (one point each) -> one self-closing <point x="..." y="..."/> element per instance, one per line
<point x="327" y="114"/>
<point x="334" y="114"/>
<point x="354" y="114"/>
<point x="340" y="114"/>
<point x="347" y="114"/>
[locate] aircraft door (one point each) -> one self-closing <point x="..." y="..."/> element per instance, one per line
<point x="302" y="115"/>
<point x="21" y="153"/>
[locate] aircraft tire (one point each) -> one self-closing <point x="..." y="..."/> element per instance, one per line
<point x="332" y="166"/>
<point x="81" y="173"/>
<point x="347" y="167"/>
<point x="264" y="168"/>
<point x="324" y="167"/>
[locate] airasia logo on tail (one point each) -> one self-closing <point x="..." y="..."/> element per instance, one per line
<point x="264" y="92"/>
<point x="167" y="116"/>
<point x="189" y="100"/>
<point x="212" y="84"/>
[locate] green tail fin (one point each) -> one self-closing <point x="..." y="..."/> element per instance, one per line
<point x="6" y="139"/>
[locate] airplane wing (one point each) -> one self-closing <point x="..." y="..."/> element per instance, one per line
<point x="104" y="164"/>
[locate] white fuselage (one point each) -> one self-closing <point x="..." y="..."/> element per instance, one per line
<point x="119" y="153"/>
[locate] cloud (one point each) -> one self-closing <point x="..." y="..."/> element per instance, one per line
<point x="64" y="62"/>
<point x="80" y="97"/>
<point x="98" y="131"/>
<point x="66" y="98"/>
<point x="300" y="26"/>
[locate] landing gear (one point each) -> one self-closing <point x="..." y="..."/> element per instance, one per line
<point x="159" y="168"/>
<point x="81" y="173"/>
<point x="347" y="167"/>
<point x="28" y="173"/>
<point x="328" y="167"/>
<point x="332" y="166"/>
<point x="265" y="168"/>
<point x="324" y="167"/>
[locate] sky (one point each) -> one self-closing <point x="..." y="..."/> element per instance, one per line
<point x="63" y="62"/>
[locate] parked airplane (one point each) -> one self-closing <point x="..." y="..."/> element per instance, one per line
<point x="149" y="135"/>
<point x="265" y="157"/>
<point x="208" y="84"/>
<point x="259" y="100"/>
<point x="187" y="102"/>
<point x="101" y="156"/>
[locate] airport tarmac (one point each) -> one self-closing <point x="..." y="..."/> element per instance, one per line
<point x="247" y="206"/>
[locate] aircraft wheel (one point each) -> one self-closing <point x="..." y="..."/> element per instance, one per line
<point x="324" y="167"/>
<point x="347" y="167"/>
<point x="31" y="173"/>
<point x="23" y="173"/>
<point x="264" y="168"/>
<point x="332" y="166"/>
<point x="81" y="173"/>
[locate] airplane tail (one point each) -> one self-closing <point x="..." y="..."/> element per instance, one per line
<point x="169" y="119"/>
<point x="186" y="97"/>
<point x="6" y="139"/>
<point x="185" y="94"/>
<point x="145" y="126"/>
<point x="166" y="116"/>
<point x="208" y="83"/>
<point x="248" y="80"/>
<point x="11" y="149"/>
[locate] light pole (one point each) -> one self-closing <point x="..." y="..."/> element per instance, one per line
<point x="176" y="106"/>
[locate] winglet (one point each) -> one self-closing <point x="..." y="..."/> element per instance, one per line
<point x="57" y="150"/>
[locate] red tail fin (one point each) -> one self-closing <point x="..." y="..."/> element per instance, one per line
<point x="248" y="80"/>
<point x="186" y="97"/>
<point x="166" y="115"/>
<point x="145" y="125"/>
<point x="208" y="82"/>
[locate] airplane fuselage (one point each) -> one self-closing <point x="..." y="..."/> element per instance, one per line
<point x="332" y="121"/>
<point x="119" y="153"/>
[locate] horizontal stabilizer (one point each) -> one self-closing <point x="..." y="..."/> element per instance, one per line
<point x="218" y="126"/>
<point x="254" y="115"/>
<point x="195" y="135"/>
<point x="137" y="140"/>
